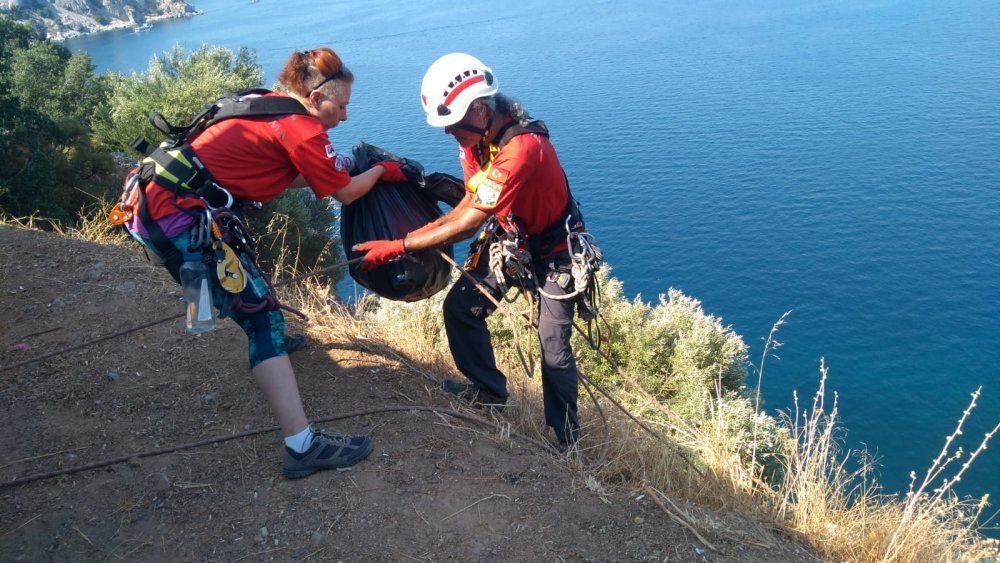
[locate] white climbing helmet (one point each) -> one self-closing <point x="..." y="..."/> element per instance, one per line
<point x="450" y="84"/>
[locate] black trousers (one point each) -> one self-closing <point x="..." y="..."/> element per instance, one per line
<point x="465" y="313"/>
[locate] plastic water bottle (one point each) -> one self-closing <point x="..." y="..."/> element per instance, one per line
<point x="197" y="297"/>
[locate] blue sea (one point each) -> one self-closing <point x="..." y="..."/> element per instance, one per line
<point x="840" y="160"/>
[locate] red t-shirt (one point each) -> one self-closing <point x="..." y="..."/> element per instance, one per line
<point x="257" y="158"/>
<point x="525" y="179"/>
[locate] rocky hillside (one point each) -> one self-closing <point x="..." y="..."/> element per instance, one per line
<point x="62" y="19"/>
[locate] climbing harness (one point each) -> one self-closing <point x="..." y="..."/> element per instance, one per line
<point x="219" y="230"/>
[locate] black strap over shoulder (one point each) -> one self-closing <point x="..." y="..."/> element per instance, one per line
<point x="247" y="103"/>
<point x="513" y="129"/>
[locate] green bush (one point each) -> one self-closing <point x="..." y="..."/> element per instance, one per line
<point x="299" y="228"/>
<point x="177" y="85"/>
<point x="673" y="349"/>
<point x="753" y="435"/>
<point x="48" y="103"/>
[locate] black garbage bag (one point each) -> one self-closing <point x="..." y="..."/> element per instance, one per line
<point x="387" y="212"/>
<point x="444" y="187"/>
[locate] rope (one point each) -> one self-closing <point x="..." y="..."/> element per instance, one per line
<point x="606" y="444"/>
<point x="163" y="320"/>
<point x="91" y="342"/>
<point x="226" y="438"/>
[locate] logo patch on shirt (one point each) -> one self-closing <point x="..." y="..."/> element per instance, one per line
<point x="343" y="162"/>
<point x="487" y="193"/>
<point x="498" y="174"/>
<point x="330" y="152"/>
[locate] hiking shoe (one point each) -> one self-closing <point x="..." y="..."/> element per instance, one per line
<point x="295" y="342"/>
<point x="470" y="392"/>
<point x="329" y="450"/>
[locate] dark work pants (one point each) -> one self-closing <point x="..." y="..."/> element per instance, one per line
<point x="465" y="313"/>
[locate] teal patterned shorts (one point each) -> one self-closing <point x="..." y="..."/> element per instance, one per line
<point x="265" y="330"/>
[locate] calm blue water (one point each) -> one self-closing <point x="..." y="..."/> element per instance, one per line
<point x="837" y="159"/>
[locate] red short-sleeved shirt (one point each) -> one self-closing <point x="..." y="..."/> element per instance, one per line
<point x="525" y="179"/>
<point x="257" y="158"/>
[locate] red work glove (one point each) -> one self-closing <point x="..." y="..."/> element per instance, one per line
<point x="379" y="252"/>
<point x="392" y="172"/>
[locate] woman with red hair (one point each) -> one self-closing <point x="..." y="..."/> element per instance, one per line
<point x="257" y="158"/>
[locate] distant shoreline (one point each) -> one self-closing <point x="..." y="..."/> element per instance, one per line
<point x="116" y="25"/>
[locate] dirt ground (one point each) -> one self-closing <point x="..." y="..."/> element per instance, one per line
<point x="435" y="488"/>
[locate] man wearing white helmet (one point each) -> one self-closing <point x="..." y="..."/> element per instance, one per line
<point x="511" y="173"/>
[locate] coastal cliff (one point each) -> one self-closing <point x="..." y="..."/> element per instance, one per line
<point x="62" y="19"/>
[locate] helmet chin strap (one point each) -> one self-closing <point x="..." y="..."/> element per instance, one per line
<point x="483" y="132"/>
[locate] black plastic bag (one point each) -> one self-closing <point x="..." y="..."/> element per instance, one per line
<point x="444" y="187"/>
<point x="388" y="212"/>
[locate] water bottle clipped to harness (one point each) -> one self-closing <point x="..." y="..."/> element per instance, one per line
<point x="219" y="231"/>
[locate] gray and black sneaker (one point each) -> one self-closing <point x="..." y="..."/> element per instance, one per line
<point x="478" y="396"/>
<point x="329" y="450"/>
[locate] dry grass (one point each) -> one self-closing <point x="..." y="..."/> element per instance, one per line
<point x="92" y="225"/>
<point x="32" y="222"/>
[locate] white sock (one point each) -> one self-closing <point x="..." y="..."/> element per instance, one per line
<point x="300" y="442"/>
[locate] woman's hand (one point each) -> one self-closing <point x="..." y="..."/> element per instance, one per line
<point x="391" y="171"/>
